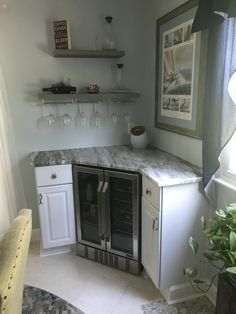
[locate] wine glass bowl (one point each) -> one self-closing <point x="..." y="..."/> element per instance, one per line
<point x="114" y="118"/>
<point x="84" y="120"/>
<point x="51" y="119"/>
<point x="66" y="119"/>
<point x="81" y="119"/>
<point x="126" y="117"/>
<point x="96" y="118"/>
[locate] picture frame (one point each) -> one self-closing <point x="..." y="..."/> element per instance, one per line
<point x="180" y="72"/>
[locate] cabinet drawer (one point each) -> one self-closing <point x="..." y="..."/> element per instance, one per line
<point x="53" y="175"/>
<point x="151" y="192"/>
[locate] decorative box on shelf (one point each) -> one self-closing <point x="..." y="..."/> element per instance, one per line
<point x="62" y="35"/>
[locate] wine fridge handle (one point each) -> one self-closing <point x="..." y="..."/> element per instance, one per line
<point x="100" y="221"/>
<point x="105" y="186"/>
<point x="100" y="185"/>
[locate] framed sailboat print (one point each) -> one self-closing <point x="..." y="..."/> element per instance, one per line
<point x="180" y="72"/>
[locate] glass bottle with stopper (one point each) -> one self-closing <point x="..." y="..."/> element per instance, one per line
<point x="119" y="79"/>
<point x="108" y="41"/>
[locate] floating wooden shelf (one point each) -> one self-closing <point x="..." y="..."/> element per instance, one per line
<point x="89" y="98"/>
<point x="65" y="53"/>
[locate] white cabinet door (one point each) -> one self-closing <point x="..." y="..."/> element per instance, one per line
<point x="183" y="206"/>
<point x="56" y="211"/>
<point x="150" y="240"/>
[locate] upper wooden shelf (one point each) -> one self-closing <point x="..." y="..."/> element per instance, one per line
<point x="128" y="96"/>
<point x="65" y="53"/>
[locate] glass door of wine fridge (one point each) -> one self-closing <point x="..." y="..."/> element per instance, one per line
<point x="122" y="213"/>
<point x="88" y="183"/>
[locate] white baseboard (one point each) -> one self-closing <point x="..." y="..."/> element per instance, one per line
<point x="56" y="250"/>
<point x="184" y="292"/>
<point x="179" y="293"/>
<point x="35" y="235"/>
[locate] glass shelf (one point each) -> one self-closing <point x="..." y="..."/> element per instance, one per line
<point x="50" y="98"/>
<point x="66" y="53"/>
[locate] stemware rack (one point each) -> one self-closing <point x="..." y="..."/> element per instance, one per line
<point x="66" y="53"/>
<point x="50" y="98"/>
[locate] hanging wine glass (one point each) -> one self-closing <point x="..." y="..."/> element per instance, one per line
<point x="84" y="121"/>
<point x="66" y="119"/>
<point x="114" y="115"/>
<point x="51" y="119"/>
<point x="114" y="118"/>
<point x="96" y="118"/>
<point x="42" y="121"/>
<point x="126" y="117"/>
<point x="81" y="119"/>
<point x="77" y="118"/>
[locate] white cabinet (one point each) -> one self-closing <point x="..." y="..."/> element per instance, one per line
<point x="150" y="240"/>
<point x="170" y="215"/>
<point x="56" y="205"/>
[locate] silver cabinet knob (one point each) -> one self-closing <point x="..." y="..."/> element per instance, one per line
<point x="40" y="198"/>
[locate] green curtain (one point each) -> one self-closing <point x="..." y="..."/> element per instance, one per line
<point x="219" y="113"/>
<point x="213" y="12"/>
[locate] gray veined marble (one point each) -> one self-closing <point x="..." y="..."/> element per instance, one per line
<point x="163" y="168"/>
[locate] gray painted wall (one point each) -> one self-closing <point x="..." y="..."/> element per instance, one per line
<point x="25" y="55"/>
<point x="182" y="146"/>
<point x="26" y="43"/>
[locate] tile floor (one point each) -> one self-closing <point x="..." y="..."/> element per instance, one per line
<point x="92" y="287"/>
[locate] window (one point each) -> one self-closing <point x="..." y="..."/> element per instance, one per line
<point x="228" y="159"/>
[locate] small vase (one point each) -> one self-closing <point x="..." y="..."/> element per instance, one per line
<point x="138" y="137"/>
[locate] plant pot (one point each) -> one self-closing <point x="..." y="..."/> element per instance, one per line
<point x="138" y="137"/>
<point x="226" y="295"/>
<point x="232" y="279"/>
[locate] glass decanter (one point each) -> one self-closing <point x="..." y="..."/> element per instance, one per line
<point x="108" y="40"/>
<point x="119" y="84"/>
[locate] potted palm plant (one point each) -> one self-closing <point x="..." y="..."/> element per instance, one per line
<point x="220" y="231"/>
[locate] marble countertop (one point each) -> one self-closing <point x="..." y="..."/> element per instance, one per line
<point x="163" y="168"/>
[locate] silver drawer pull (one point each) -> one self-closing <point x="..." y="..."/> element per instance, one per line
<point x="148" y="192"/>
<point x="155" y="224"/>
<point x="53" y="176"/>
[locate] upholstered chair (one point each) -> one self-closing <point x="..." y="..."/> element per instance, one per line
<point x="13" y="256"/>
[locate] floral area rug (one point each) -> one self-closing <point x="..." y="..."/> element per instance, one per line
<point x="196" y="306"/>
<point x="38" y="301"/>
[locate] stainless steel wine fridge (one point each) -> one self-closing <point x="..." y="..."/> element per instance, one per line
<point x="107" y="207"/>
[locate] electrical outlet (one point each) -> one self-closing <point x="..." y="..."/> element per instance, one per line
<point x="130" y="126"/>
